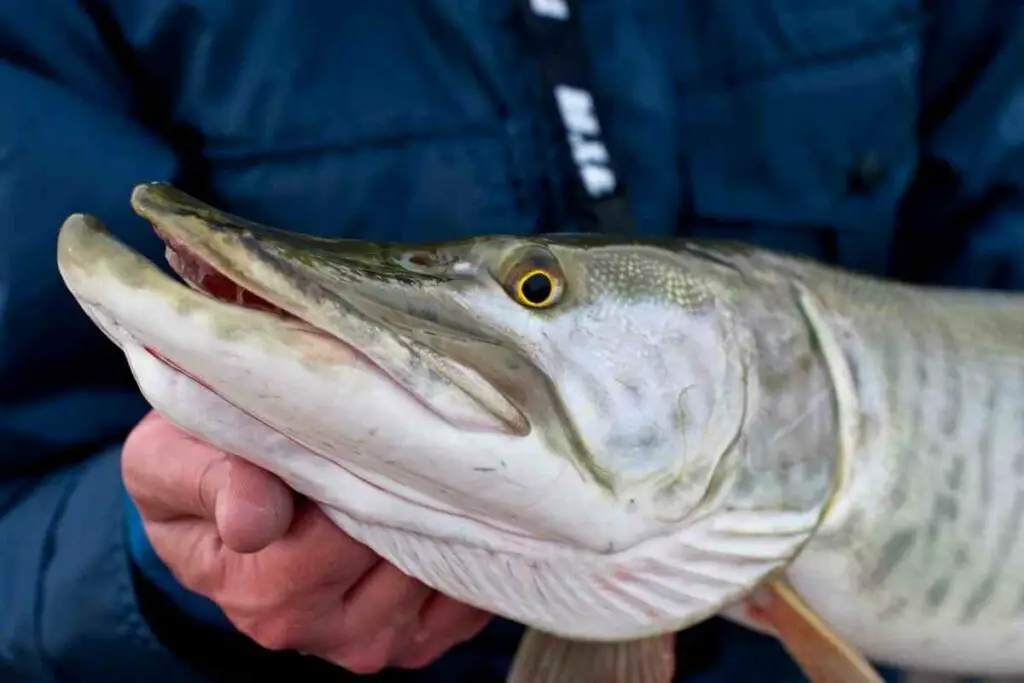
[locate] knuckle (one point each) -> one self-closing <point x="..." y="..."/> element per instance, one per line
<point x="255" y="615"/>
<point x="206" y="581"/>
<point x="368" y="654"/>
<point x="241" y="593"/>
<point x="267" y="597"/>
<point x="421" y="657"/>
<point x="277" y="632"/>
<point x="364" y="662"/>
<point x="194" y="565"/>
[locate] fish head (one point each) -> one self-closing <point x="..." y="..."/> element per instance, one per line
<point x="546" y="427"/>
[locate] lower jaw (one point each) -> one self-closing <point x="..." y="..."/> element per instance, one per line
<point x="337" y="461"/>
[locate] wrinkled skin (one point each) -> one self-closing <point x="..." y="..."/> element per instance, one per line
<point x="281" y="571"/>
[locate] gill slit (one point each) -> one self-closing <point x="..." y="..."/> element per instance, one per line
<point x="844" y="391"/>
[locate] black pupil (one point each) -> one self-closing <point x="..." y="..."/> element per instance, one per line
<point x="536" y="288"/>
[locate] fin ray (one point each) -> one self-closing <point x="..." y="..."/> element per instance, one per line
<point x="823" y="656"/>
<point x="544" y="658"/>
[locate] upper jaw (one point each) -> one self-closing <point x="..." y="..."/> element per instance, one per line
<point x="349" y="289"/>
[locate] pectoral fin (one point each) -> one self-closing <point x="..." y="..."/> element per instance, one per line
<point x="544" y="658"/>
<point x="821" y="654"/>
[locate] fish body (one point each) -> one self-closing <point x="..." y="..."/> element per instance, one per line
<point x="921" y="558"/>
<point x="606" y="440"/>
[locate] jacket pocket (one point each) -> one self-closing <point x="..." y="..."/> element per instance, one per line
<point x="826" y="137"/>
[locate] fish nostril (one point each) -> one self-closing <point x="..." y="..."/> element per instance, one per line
<point x="418" y="259"/>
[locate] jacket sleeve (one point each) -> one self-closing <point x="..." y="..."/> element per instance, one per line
<point x="971" y="180"/>
<point x="69" y="141"/>
<point x="82" y="595"/>
<point x="67" y="596"/>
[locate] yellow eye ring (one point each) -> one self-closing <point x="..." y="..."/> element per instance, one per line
<point x="537" y="288"/>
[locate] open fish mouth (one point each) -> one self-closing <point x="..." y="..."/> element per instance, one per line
<point x="283" y="367"/>
<point x="140" y="307"/>
<point x="256" y="323"/>
<point x="204" y="277"/>
<point x="321" y="286"/>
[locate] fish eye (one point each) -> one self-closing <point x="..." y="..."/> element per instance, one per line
<point x="537" y="288"/>
<point x="531" y="276"/>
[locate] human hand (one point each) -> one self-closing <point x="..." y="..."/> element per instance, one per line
<point x="281" y="571"/>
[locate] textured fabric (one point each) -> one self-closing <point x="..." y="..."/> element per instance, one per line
<point x="884" y="135"/>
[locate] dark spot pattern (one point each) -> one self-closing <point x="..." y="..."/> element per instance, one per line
<point x="893" y="552"/>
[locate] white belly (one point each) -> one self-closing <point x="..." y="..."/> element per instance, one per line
<point x="895" y="627"/>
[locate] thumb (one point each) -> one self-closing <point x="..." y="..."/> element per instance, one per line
<point x="254" y="509"/>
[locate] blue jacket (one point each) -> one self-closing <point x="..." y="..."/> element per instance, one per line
<point x="884" y="135"/>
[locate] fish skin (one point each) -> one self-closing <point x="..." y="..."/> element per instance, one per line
<point x="843" y="413"/>
<point x="918" y="562"/>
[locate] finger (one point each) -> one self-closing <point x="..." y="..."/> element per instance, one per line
<point x="295" y="579"/>
<point x="368" y="651"/>
<point x="169" y="474"/>
<point x="172" y="475"/>
<point x="311" y="567"/>
<point x="254" y="509"/>
<point x="384" y="598"/>
<point x="366" y="657"/>
<point x="444" y="623"/>
<point x="316" y="551"/>
<point x="191" y="548"/>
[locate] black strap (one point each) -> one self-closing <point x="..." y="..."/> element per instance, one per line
<point x="553" y="25"/>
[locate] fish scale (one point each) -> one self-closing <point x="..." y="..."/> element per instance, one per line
<point x="932" y="549"/>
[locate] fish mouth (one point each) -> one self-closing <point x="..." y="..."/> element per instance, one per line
<point x="231" y="302"/>
<point x="316" y="284"/>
